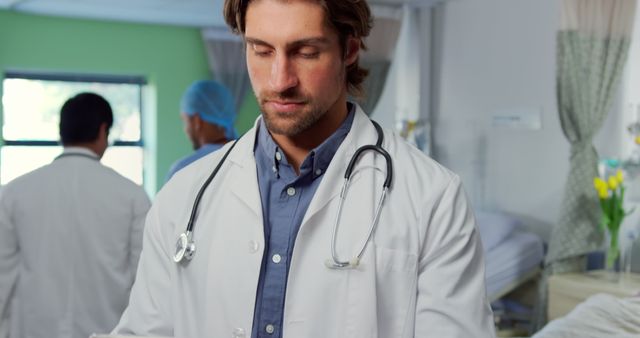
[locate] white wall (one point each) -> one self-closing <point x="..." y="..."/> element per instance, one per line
<point x="494" y="57"/>
<point x="497" y="56"/>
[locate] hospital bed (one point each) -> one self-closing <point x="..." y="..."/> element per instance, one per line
<point x="513" y="256"/>
<point x="601" y="315"/>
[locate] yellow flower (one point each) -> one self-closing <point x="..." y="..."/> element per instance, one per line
<point x="637" y="139"/>
<point x="599" y="183"/>
<point x="613" y="182"/>
<point x="603" y="193"/>
<point x="619" y="176"/>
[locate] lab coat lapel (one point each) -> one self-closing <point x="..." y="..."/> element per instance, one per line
<point x="244" y="183"/>
<point x="362" y="132"/>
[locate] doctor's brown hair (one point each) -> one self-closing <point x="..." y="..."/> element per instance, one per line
<point x="349" y="18"/>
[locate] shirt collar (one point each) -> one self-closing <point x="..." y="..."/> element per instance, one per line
<point x="79" y="150"/>
<point x="318" y="158"/>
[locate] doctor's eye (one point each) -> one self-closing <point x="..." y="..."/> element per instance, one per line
<point x="260" y="50"/>
<point x="309" y="52"/>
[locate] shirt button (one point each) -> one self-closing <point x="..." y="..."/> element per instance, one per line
<point x="238" y="333"/>
<point x="278" y="156"/>
<point x="291" y="191"/>
<point x="269" y="328"/>
<point x="318" y="172"/>
<point x="276" y="258"/>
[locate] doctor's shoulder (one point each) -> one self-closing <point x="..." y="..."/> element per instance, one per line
<point x="417" y="170"/>
<point x="180" y="191"/>
<point x="120" y="185"/>
<point x="196" y="172"/>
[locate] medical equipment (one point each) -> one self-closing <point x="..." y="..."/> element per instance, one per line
<point x="185" y="245"/>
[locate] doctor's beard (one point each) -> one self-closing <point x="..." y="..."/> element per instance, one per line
<point x="290" y="123"/>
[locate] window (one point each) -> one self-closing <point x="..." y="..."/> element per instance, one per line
<point x="31" y="112"/>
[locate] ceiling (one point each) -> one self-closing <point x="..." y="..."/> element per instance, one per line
<point x="193" y="13"/>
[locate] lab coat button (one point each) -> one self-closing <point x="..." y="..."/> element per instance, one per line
<point x="269" y="328"/>
<point x="276" y="258"/>
<point x="291" y="191"/>
<point x="238" y="333"/>
<point x="254" y="246"/>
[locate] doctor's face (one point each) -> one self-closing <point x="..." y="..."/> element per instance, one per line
<point x="296" y="64"/>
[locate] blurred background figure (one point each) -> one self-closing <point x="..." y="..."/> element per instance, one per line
<point x="70" y="234"/>
<point x="208" y="113"/>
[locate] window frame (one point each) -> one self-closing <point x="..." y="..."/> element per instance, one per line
<point x="140" y="81"/>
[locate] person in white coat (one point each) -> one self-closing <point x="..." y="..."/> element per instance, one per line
<point x="252" y="253"/>
<point x="70" y="234"/>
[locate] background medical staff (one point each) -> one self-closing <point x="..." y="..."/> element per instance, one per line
<point x="208" y="113"/>
<point x="70" y="234"/>
<point x="263" y="229"/>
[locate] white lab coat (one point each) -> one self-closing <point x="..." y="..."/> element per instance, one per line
<point x="421" y="276"/>
<point x="70" y="239"/>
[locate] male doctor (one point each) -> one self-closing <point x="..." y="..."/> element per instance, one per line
<point x="265" y="260"/>
<point x="70" y="234"/>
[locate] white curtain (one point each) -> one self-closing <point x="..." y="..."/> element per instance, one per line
<point x="404" y="104"/>
<point x="381" y="45"/>
<point x="227" y="62"/>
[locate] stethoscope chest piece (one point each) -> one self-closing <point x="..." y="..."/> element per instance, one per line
<point x="185" y="248"/>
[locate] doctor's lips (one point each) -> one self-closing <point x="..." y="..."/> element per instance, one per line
<point x="284" y="105"/>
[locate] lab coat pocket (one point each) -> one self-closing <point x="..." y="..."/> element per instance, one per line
<point x="393" y="260"/>
<point x="396" y="278"/>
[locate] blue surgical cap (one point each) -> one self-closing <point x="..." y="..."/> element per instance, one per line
<point x="213" y="102"/>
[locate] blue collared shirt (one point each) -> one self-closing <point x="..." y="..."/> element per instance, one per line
<point x="285" y="198"/>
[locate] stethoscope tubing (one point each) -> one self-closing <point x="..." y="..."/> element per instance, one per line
<point x="186" y="244"/>
<point x="196" y="202"/>
<point x="337" y="263"/>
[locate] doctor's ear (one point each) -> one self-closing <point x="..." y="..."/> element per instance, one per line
<point x="352" y="50"/>
<point x="196" y="121"/>
<point x="104" y="130"/>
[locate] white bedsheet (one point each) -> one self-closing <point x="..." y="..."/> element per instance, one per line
<point x="516" y="257"/>
<point x="600" y="316"/>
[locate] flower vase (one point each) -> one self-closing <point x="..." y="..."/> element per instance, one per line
<point x="611" y="196"/>
<point x="611" y="253"/>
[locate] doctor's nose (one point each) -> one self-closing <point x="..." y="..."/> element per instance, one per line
<point x="283" y="74"/>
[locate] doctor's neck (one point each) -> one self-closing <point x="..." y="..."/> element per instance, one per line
<point x="94" y="147"/>
<point x="97" y="146"/>
<point x="297" y="147"/>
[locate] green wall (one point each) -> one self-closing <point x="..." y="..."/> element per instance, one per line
<point x="169" y="57"/>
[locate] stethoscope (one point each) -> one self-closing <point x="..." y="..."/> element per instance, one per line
<point x="186" y="248"/>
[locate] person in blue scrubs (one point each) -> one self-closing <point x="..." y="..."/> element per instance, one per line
<point x="208" y="113"/>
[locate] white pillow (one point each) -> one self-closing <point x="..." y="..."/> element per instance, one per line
<point x="495" y="227"/>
